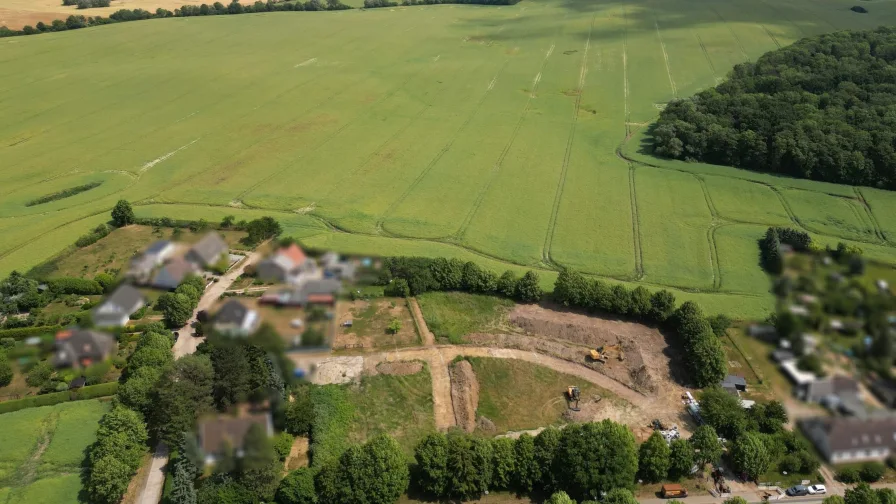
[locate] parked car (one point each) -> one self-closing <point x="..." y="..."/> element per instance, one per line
<point x="817" y="490"/>
<point x="797" y="491"/>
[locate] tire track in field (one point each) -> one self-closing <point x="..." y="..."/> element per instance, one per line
<point x="740" y="45"/>
<point x="767" y="32"/>
<point x="877" y="228"/>
<point x="781" y="16"/>
<point x="659" y="37"/>
<point x="380" y="224"/>
<point x="636" y="223"/>
<point x="628" y="114"/>
<point x="867" y="219"/>
<point x="708" y="59"/>
<point x="710" y="235"/>
<point x="500" y="161"/>
<point x="555" y="209"/>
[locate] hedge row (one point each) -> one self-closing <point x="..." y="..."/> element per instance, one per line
<point x="20" y="333"/>
<point x="74" y="285"/>
<point x="83" y="393"/>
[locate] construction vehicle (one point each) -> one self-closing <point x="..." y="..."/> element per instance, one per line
<point x="606" y="352"/>
<point x="572" y="394"/>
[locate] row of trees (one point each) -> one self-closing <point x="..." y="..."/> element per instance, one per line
<point x="406" y="276"/>
<point x="698" y="334"/>
<point x="177" y="307"/>
<point x="370" y="4"/>
<point x="816" y="109"/>
<point x="585" y="461"/>
<point x="75" y="22"/>
<point x="770" y="246"/>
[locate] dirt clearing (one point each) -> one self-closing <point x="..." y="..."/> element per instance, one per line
<point x="464" y="394"/>
<point x="370" y="325"/>
<point x="399" y="368"/>
<point x="337" y="370"/>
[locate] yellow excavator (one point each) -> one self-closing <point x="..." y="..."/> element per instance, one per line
<point x="607" y="352"/>
<point x="572" y="394"/>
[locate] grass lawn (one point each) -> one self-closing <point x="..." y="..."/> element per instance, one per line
<point x="43" y="451"/>
<point x="400" y="406"/>
<point x="370" y="322"/>
<point x="518" y="395"/>
<point x="452" y="315"/>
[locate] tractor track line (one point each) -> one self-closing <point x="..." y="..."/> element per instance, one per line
<point x="497" y="166"/>
<point x="708" y="59"/>
<point x="555" y="209"/>
<point x="877" y="228"/>
<point x="710" y="235"/>
<point x="380" y="224"/>
<point x="636" y="222"/>
<point x="740" y="45"/>
<point x="659" y="37"/>
<point x="767" y="32"/>
<point x="862" y="216"/>
<point x="628" y="117"/>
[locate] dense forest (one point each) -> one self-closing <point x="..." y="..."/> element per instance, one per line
<point x="823" y="108"/>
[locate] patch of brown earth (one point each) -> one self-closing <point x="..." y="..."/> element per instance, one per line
<point x="464" y="394"/>
<point x="298" y="455"/>
<point x="399" y="368"/>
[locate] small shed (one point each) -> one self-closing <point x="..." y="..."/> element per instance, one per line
<point x="737" y="383"/>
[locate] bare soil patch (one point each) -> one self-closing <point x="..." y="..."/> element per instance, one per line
<point x="338" y="370"/>
<point x="298" y="455"/>
<point x="399" y="368"/>
<point x="369" y="323"/>
<point x="464" y="395"/>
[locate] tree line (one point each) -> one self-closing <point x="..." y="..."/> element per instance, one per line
<point x="411" y="276"/>
<point x="699" y="335"/>
<point x="770" y="246"/>
<point x="75" y="22"/>
<point x="817" y="109"/>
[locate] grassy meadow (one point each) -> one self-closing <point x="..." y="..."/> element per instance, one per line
<point x="43" y="451"/>
<point x="509" y="135"/>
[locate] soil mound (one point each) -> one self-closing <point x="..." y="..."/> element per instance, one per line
<point x="399" y="368"/>
<point x="464" y="395"/>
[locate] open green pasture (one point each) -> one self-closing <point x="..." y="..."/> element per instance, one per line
<point x="44" y="449"/>
<point x="509" y="135"/>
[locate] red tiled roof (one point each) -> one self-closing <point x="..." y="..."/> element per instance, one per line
<point x="294" y="253"/>
<point x="320" y="298"/>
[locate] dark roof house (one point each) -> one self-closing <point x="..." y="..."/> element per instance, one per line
<point x="312" y="291"/>
<point x="218" y="432"/>
<point x="115" y="310"/>
<point x="850" y="439"/>
<point x="885" y="390"/>
<point x="172" y="274"/>
<point x="77" y="348"/>
<point x="208" y="250"/>
<point x="236" y="319"/>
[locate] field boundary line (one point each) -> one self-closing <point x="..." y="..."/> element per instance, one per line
<point x="789" y="20"/>
<point x="380" y="224"/>
<point x="740" y="45"/>
<point x="659" y="36"/>
<point x="558" y="195"/>
<point x="867" y="206"/>
<point x="459" y="234"/>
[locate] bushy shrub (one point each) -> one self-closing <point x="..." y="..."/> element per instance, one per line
<point x="70" y="285"/>
<point x="848" y="475"/>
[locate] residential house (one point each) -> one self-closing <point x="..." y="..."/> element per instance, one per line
<point x="336" y="268"/>
<point x="839" y="394"/>
<point x="320" y="292"/>
<point x="287" y="265"/>
<point x="799" y="377"/>
<point x="763" y="332"/>
<point x="118" y="307"/>
<point x="782" y="355"/>
<point x="850" y="439"/>
<point x="80" y="348"/>
<point x="142" y="266"/>
<point x="216" y="434"/>
<point x="172" y="274"/>
<point x="207" y="251"/>
<point x="236" y="319"/>
<point x="734" y="384"/>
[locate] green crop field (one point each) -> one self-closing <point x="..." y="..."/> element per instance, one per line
<point x="44" y="449"/>
<point x="509" y="135"/>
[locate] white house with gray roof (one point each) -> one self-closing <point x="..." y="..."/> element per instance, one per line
<point x="116" y="309"/>
<point x="851" y="439"/>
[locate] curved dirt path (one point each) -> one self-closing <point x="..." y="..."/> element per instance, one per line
<point x="438" y="357"/>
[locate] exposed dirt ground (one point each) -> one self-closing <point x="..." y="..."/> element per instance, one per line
<point x="399" y="368"/>
<point x="464" y="395"/>
<point x="298" y="455"/>
<point x="337" y="370"/>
